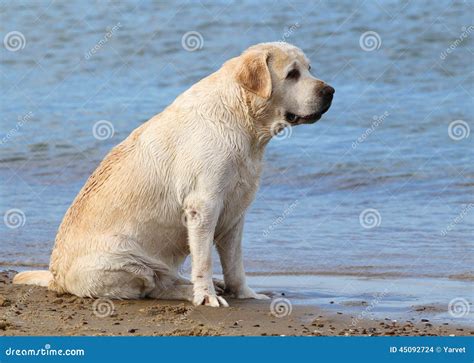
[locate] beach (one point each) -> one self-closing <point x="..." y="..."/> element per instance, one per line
<point x="32" y="310"/>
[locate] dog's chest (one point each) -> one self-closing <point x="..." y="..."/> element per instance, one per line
<point x="241" y="191"/>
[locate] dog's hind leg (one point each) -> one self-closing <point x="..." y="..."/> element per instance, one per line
<point x="173" y="292"/>
<point x="125" y="274"/>
<point x="109" y="278"/>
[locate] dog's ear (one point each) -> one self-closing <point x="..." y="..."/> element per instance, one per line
<point x="253" y="73"/>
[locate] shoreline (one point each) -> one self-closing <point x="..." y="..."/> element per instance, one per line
<point x="459" y="277"/>
<point x="32" y="310"/>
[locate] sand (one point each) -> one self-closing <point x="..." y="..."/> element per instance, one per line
<point x="31" y="310"/>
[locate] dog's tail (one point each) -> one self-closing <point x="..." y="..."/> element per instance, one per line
<point x="39" y="278"/>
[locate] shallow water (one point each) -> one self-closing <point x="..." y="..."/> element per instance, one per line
<point x="373" y="298"/>
<point x="318" y="179"/>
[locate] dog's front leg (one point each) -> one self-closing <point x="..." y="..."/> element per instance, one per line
<point x="201" y="221"/>
<point x="229" y="246"/>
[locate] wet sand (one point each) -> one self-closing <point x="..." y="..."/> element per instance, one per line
<point x="31" y="310"/>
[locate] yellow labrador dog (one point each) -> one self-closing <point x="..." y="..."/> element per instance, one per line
<point x="180" y="183"/>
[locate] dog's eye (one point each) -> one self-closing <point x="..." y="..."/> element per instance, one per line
<point x="309" y="67"/>
<point x="293" y="74"/>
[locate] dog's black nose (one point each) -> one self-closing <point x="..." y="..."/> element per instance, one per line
<point x="326" y="91"/>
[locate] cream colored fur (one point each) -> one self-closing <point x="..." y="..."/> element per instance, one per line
<point x="179" y="184"/>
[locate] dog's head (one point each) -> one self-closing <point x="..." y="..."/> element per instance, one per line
<point x="278" y="78"/>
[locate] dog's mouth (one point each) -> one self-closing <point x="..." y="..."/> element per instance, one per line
<point x="297" y="119"/>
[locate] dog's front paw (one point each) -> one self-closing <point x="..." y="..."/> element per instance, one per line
<point x="248" y="293"/>
<point x="208" y="299"/>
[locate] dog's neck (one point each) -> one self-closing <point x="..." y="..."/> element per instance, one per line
<point x="245" y="111"/>
<point x="232" y="107"/>
<point x="260" y="118"/>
